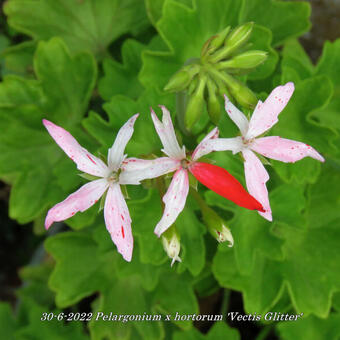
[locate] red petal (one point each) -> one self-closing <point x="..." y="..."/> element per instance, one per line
<point x="223" y="183"/>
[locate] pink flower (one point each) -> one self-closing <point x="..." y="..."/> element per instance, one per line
<point x="264" y="117"/>
<point x="208" y="174"/>
<point x="110" y="177"/>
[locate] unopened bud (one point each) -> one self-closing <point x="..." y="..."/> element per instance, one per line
<point x="214" y="107"/>
<point x="240" y="92"/>
<point x="171" y="244"/>
<point x="246" y="60"/>
<point x="236" y="39"/>
<point x="239" y="36"/>
<point x="217" y="226"/>
<point x="218" y="40"/>
<point x="225" y="235"/>
<point x="180" y="80"/>
<point x="195" y="105"/>
<point x="193" y="85"/>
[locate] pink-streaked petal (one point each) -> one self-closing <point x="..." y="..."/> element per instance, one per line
<point x="118" y="221"/>
<point x="80" y="200"/>
<point x="116" y="152"/>
<point x="85" y="160"/>
<point x="135" y="170"/>
<point x="256" y="178"/>
<point x="174" y="200"/>
<point x="284" y="150"/>
<point x="167" y="135"/>
<point x="221" y="144"/>
<point x="266" y="114"/>
<point x="201" y="149"/>
<point x="236" y="116"/>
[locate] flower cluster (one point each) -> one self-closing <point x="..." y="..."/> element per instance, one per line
<point x="121" y="170"/>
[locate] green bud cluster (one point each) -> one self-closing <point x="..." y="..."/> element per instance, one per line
<point x="206" y="79"/>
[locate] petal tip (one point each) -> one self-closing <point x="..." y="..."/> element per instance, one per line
<point x="127" y="257"/>
<point x="48" y="222"/>
<point x="267" y="214"/>
<point x="47" y="123"/>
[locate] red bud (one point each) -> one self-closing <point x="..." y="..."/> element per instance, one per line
<point x="223" y="183"/>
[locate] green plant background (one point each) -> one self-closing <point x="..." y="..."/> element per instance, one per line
<point x="88" y="66"/>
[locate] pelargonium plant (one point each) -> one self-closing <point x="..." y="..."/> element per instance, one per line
<point x="205" y="136"/>
<point x="121" y="170"/>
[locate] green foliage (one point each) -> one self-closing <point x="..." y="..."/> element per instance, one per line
<point x="29" y="159"/>
<point x="84" y="25"/>
<point x="89" y="67"/>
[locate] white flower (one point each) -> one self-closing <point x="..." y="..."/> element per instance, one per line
<point x="111" y="176"/>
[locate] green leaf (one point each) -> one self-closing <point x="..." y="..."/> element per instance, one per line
<point x="66" y="80"/>
<point x="29" y="157"/>
<point x="84" y="25"/>
<point x="119" y="110"/>
<point x="261" y="37"/>
<point x="4" y="42"/>
<point x="35" y="284"/>
<point x="324" y="197"/>
<point x="154" y="8"/>
<point x="18" y="59"/>
<point x="311" y="328"/>
<point x="329" y="65"/>
<point x="124" y="298"/>
<point x="294" y="57"/>
<point x="219" y="331"/>
<point x="192" y="243"/>
<point x="309" y="272"/>
<point x="122" y="78"/>
<point x="175" y="296"/>
<point x="145" y="215"/>
<point x="41" y="330"/>
<point x="336" y="301"/>
<point x="286" y="19"/>
<point x="7" y="321"/>
<point x="79" y="267"/>
<point x="252" y="234"/>
<point x="146" y="275"/>
<point x="196" y="26"/>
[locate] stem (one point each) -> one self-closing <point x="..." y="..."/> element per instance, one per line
<point x="225" y="301"/>
<point x="181" y="105"/>
<point x="201" y="202"/>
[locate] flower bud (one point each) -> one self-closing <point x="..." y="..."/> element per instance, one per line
<point x="195" y="105"/>
<point x="236" y="39"/>
<point x="218" y="40"/>
<point x="171" y="244"/>
<point x="246" y="60"/>
<point x="225" y="235"/>
<point x="214" y="107"/>
<point x="180" y="80"/>
<point x="216" y="225"/>
<point x="240" y="92"/>
<point x="239" y="36"/>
